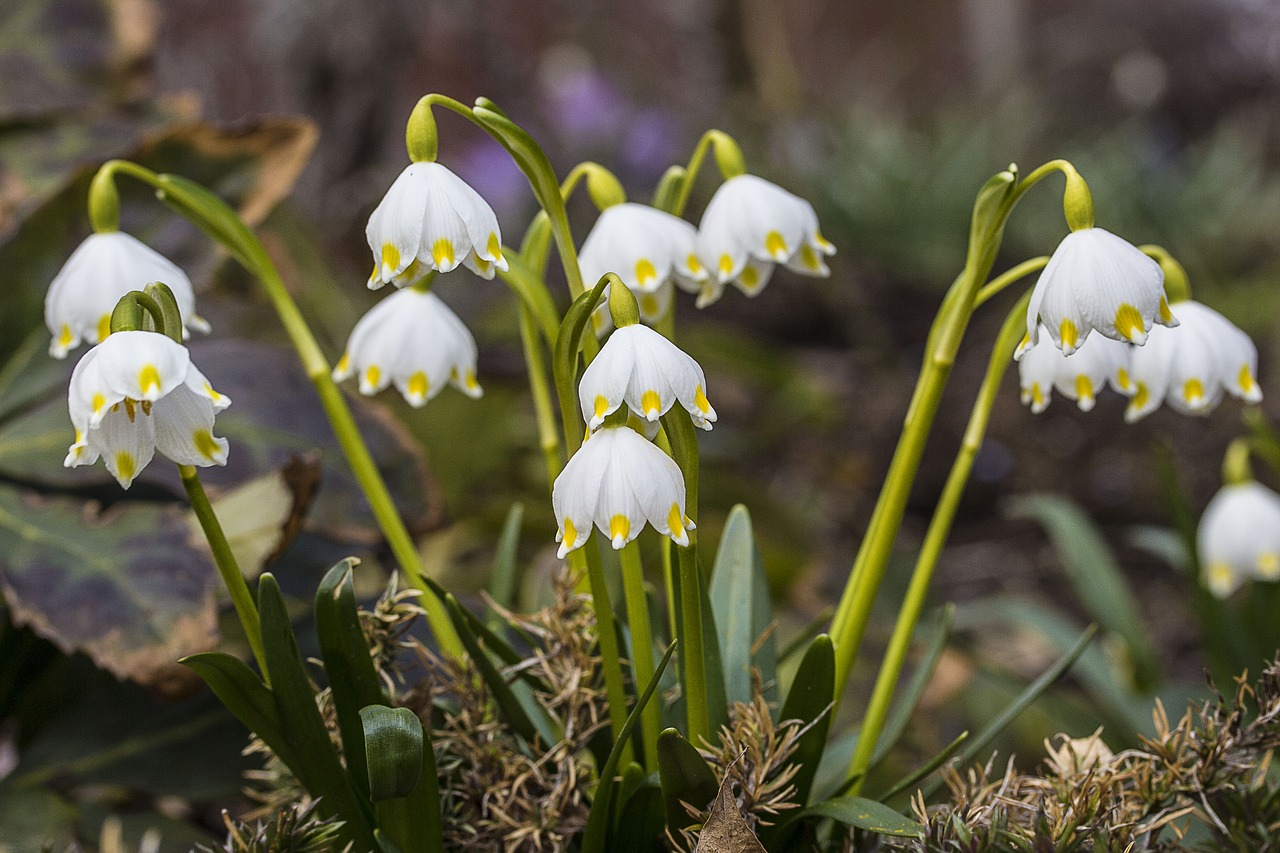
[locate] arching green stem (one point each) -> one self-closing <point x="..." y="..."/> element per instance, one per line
<point x="1177" y="287"/>
<point x="728" y="156"/>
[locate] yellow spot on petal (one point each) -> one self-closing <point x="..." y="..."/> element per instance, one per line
<point x="482" y="266"/>
<point x="418" y="386"/>
<point x="1269" y="566"/>
<point x="494" y="248"/>
<point x="1129" y="322"/>
<point x="1069" y="334"/>
<point x="344" y="363"/>
<point x="442" y="251"/>
<point x="1166" y="316"/>
<point x="809" y="258"/>
<point x="695" y="265"/>
<point x="1037" y="395"/>
<point x="1123" y="382"/>
<point x="98" y="402"/>
<point x="1142" y="395"/>
<point x="126" y="467"/>
<point x="104" y="327"/>
<point x="1084" y="388"/>
<point x="645" y="272"/>
<point x="205" y="445"/>
<point x="390" y="259"/>
<point x="619" y="530"/>
<point x="649" y="304"/>
<point x="470" y="382"/>
<point x="749" y="278"/>
<point x="65" y="337"/>
<point x="650" y="403"/>
<point x="775" y="245"/>
<point x="823" y="242"/>
<point x="148" y="378"/>
<point x="1245" y="379"/>
<point x="372" y="374"/>
<point x="1193" y="391"/>
<point x="570" y="535"/>
<point x="675" y="520"/>
<point x="700" y="401"/>
<point x="1220" y="578"/>
<point x="602" y="406"/>
<point x="726" y="264"/>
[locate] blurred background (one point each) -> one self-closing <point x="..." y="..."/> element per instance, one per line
<point x="888" y="117"/>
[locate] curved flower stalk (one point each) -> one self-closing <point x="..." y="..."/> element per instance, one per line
<point x="102" y="269"/>
<point x="414" y="340"/>
<point x="1096" y="281"/>
<point x="1044" y="368"/>
<point x="618" y="481"/>
<point x="138" y="392"/>
<point x="641" y="368"/>
<point x="750" y="226"/>
<point x="1239" y="537"/>
<point x="430" y="219"/>
<point x="1192" y="366"/>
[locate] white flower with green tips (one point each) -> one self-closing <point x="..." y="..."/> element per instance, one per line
<point x="1095" y="281"/>
<point x="1239" y="537"/>
<point x="618" y="481"/>
<point x="136" y="393"/>
<point x="751" y="225"/>
<point x="414" y="340"/>
<point x="649" y="373"/>
<point x="431" y="219"/>
<point x="1044" y="368"/>
<point x="99" y="272"/>
<point x="1192" y="366"/>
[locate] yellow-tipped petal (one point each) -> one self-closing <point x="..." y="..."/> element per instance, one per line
<point x="569" y="536"/>
<point x="645" y="272"/>
<point x="126" y="465"/>
<point x="775" y="245"/>
<point x="700" y="401"/>
<point x="1193" y="391"/>
<point x="809" y="258"/>
<point x="601" y="406"/>
<point x="649" y="304"/>
<point x="1123" y="382"/>
<point x="695" y="265"/>
<point x="651" y="404"/>
<point x="98" y="402"/>
<point x="418" y="386"/>
<point x="619" y="530"/>
<point x="1141" y="396"/>
<point x="1166" y="316"/>
<point x="148" y="378"/>
<point x="1245" y="379"/>
<point x="1069" y="334"/>
<point x="1037" y="395"/>
<point x="675" y="521"/>
<point x="207" y="447"/>
<point x="750" y="278"/>
<point x="1129" y="322"/>
<point x="442" y="252"/>
<point x="390" y="259"/>
<point x="104" y="327"/>
<point x="726" y="264"/>
<point x="494" y="248"/>
<point x="372" y="374"/>
<point x="1269" y="566"/>
<point x="1220" y="579"/>
<point x="1084" y="389"/>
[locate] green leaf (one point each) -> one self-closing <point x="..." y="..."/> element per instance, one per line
<point x="905" y="707"/>
<point x="243" y="693"/>
<point x="865" y="814"/>
<point x="393" y="740"/>
<point x="1095" y="575"/>
<point x="686" y="777"/>
<point x="928" y="767"/>
<point x="739" y="596"/>
<point x="641" y="820"/>
<point x="353" y="681"/>
<point x="33" y="818"/>
<point x="810" y="700"/>
<point x="502" y="582"/>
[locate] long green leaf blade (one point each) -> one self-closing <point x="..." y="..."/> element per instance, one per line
<point x="739" y="596"/>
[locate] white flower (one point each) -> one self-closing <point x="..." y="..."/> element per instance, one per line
<point x="644" y="246"/>
<point x="99" y="272"/>
<point x="1096" y="281"/>
<point x="1239" y="537"/>
<point x="617" y="480"/>
<point x="412" y="339"/>
<point x="1191" y="366"/>
<point x="431" y="219"/>
<point x="1079" y="377"/>
<point x="653" y="306"/>
<point x="750" y="225"/>
<point x="136" y="393"/>
<point x="649" y="373"/>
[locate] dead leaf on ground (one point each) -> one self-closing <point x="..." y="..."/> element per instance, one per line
<point x="726" y="830"/>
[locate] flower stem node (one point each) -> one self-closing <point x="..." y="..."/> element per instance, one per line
<point x="1080" y="377"/>
<point x="751" y="225"/>
<point x="1095" y="281"/>
<point x="138" y="392"/>
<point x="431" y="219"/>
<point x="1190" y="367"/>
<point x="101" y="270"/>
<point x="649" y="373"/>
<point x="1239" y="537"/>
<point x="618" y="481"/>
<point x="414" y="340"/>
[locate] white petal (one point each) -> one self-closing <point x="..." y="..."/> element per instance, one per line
<point x="1238" y="533"/>
<point x="125" y="444"/>
<point x="397" y="222"/>
<point x="184" y="429"/>
<point x="476" y="215"/>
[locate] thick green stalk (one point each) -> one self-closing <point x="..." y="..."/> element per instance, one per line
<point x="543" y="408"/>
<point x="229" y="570"/>
<point x="931" y="550"/>
<point x="641" y="646"/>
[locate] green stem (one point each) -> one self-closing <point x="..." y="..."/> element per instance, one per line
<point x="588" y="559"/>
<point x="641" y="646"/>
<point x="1177" y="287"/>
<point x="720" y="140"/>
<point x="543" y="408"/>
<point x="1000" y="282"/>
<point x="693" y="659"/>
<point x="232" y="578"/>
<point x="935" y="539"/>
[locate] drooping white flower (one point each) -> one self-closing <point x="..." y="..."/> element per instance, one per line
<point x="649" y="373"/>
<point x="136" y="393"/>
<point x="1239" y="537"/>
<point x="644" y="246"/>
<point x="617" y="481"/>
<point x="1095" y="281"/>
<point x="1191" y="366"/>
<point x="1079" y="377"/>
<point x="99" y="272"/>
<point x="749" y="226"/>
<point x="431" y="219"/>
<point x="413" y="339"/>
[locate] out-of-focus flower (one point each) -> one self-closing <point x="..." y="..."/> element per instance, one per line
<point x="1239" y="537"/>
<point x="1190" y="367"/>
<point x="431" y="219"/>
<point x="649" y="373"/>
<point x="413" y="339"/>
<point x="749" y="226"/>
<point x="99" y="272"/>
<point x="617" y="481"/>
<point x="1079" y="377"/>
<point x="1095" y="281"/>
<point x="136" y="393"/>
<point x="645" y="246"/>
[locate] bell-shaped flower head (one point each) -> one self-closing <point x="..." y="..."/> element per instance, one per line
<point x="413" y="339"/>
<point x="1239" y="537"/>
<point x="99" y="272"/>
<point x="749" y="226"/>
<point x="649" y="373"/>
<point x="1095" y="281"/>
<point x="618" y="481"/>
<point x="431" y="219"/>
<point x="1078" y="377"/>
<point x="136" y="393"/>
<point x="645" y="246"/>
<point x="1191" y="366"/>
